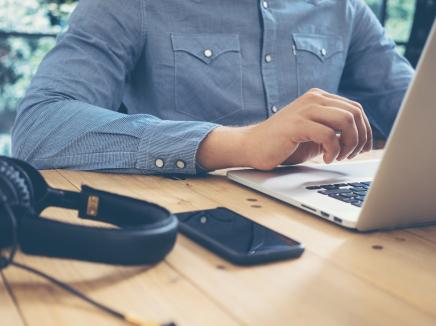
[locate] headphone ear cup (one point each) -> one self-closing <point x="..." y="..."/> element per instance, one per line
<point x="35" y="182"/>
<point x="15" y="185"/>
<point x="16" y="197"/>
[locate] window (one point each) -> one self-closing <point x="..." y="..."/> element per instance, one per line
<point x="397" y="17"/>
<point x="27" y="31"/>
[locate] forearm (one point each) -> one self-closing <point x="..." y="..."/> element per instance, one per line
<point x="75" y="135"/>
<point x="224" y="147"/>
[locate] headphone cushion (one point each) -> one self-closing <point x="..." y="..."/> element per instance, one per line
<point x="35" y="181"/>
<point x="15" y="193"/>
<point x="14" y="185"/>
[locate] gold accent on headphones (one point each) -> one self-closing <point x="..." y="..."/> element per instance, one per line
<point x="92" y="209"/>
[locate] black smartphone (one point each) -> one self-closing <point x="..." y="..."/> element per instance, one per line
<point x="237" y="238"/>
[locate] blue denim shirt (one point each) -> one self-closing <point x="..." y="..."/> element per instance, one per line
<point x="181" y="68"/>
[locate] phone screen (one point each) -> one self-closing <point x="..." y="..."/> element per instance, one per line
<point x="235" y="233"/>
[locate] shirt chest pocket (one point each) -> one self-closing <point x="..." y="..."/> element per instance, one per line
<point x="208" y="75"/>
<point x="320" y="61"/>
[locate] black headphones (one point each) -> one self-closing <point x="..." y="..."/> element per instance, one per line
<point x="146" y="232"/>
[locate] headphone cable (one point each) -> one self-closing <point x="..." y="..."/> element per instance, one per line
<point x="5" y="262"/>
<point x="129" y="318"/>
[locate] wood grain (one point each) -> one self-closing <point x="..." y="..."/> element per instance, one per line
<point x="343" y="278"/>
<point x="156" y="293"/>
<point x="352" y="253"/>
<point x="9" y="312"/>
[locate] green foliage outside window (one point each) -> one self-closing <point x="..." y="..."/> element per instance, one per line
<point x="399" y="18"/>
<point x="21" y="50"/>
<point x="21" y="55"/>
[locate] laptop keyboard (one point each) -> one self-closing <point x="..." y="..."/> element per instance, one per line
<point x="352" y="193"/>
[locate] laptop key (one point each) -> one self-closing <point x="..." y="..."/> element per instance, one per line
<point x="357" y="203"/>
<point x="360" y="193"/>
<point x="344" y="199"/>
<point x="347" y="195"/>
<point x="313" y="188"/>
<point x="329" y="187"/>
<point x="355" y="189"/>
<point x="334" y="191"/>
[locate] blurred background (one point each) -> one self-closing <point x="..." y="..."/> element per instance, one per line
<point x="28" y="29"/>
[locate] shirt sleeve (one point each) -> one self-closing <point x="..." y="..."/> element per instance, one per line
<point x="69" y="118"/>
<point x="375" y="74"/>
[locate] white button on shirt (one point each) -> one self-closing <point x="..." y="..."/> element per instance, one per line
<point x="159" y="163"/>
<point x="208" y="53"/>
<point x="274" y="109"/>
<point x="268" y="58"/>
<point x="323" y="52"/>
<point x="265" y="4"/>
<point x="180" y="164"/>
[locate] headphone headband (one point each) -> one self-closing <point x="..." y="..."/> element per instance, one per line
<point x="144" y="232"/>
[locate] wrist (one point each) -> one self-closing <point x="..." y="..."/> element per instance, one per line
<point x="224" y="147"/>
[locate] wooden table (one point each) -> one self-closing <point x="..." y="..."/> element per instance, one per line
<point x="343" y="278"/>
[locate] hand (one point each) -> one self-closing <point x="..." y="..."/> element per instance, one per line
<point x="304" y="152"/>
<point x="317" y="122"/>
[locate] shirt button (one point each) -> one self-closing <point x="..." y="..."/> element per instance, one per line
<point x="265" y="4"/>
<point x="323" y="52"/>
<point x="180" y="164"/>
<point x="274" y="109"/>
<point x="208" y="53"/>
<point x="268" y="58"/>
<point x="159" y="163"/>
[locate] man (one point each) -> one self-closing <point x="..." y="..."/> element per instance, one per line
<point x="147" y="87"/>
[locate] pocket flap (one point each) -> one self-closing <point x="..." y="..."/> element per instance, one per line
<point x="206" y="47"/>
<point x="323" y="46"/>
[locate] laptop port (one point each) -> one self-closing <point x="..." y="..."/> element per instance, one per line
<point x="309" y="208"/>
<point x="324" y="214"/>
<point x="337" y="219"/>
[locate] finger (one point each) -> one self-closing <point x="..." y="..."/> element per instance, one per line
<point x="369" y="143"/>
<point x="338" y="119"/>
<point x="322" y="135"/>
<point x="358" y="119"/>
<point x="369" y="138"/>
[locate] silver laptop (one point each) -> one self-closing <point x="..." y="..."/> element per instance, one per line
<point x="397" y="191"/>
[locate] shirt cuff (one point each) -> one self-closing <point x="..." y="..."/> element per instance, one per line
<point x="170" y="147"/>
